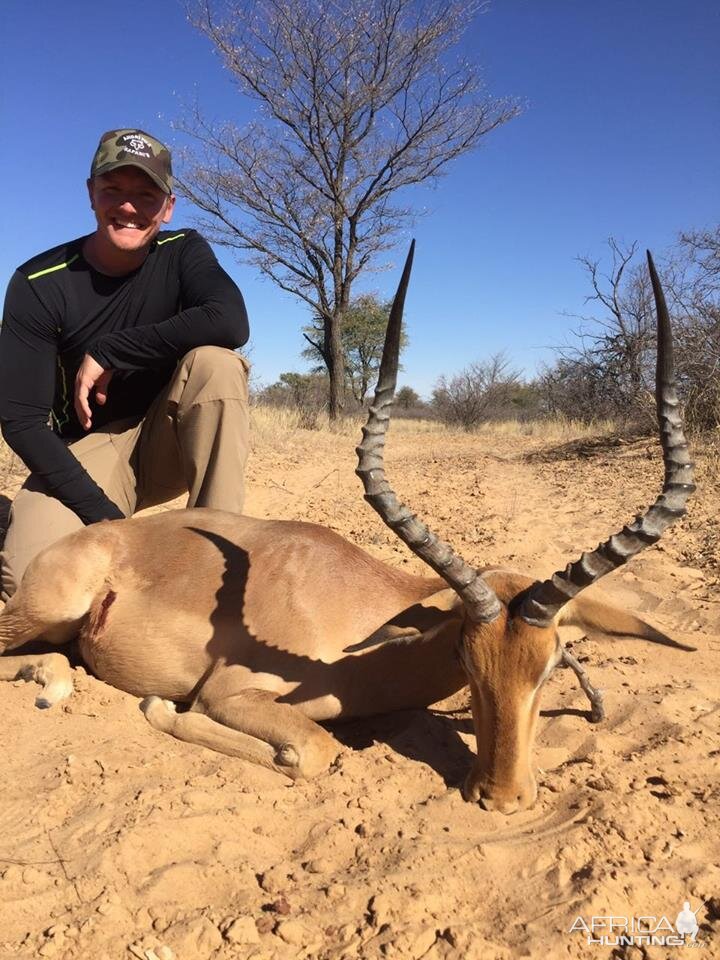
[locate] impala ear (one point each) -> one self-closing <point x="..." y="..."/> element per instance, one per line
<point x="589" y="614"/>
<point x="426" y="618"/>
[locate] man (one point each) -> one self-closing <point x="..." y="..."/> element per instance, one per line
<point x="119" y="387"/>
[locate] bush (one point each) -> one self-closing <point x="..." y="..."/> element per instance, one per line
<point x="305" y="392"/>
<point x="486" y="390"/>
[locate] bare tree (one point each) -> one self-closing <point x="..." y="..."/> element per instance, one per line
<point x="699" y="368"/>
<point x="483" y="391"/>
<point x="704" y="249"/>
<point x="608" y="371"/>
<point x="358" y="99"/>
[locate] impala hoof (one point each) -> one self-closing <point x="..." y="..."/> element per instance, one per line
<point x="159" y="713"/>
<point x="54" y="692"/>
<point x="288" y="756"/>
<point x="470" y="791"/>
<point x="150" y="703"/>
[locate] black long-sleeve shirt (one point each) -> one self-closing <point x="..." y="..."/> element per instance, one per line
<point x="58" y="308"/>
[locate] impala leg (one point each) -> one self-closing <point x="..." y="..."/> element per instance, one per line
<point x="595" y="696"/>
<point x="250" y="725"/>
<point x="51" y="670"/>
<point x="302" y="747"/>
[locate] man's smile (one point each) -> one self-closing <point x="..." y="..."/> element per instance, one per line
<point x="122" y="224"/>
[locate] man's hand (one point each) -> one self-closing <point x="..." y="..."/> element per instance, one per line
<point x="90" y="376"/>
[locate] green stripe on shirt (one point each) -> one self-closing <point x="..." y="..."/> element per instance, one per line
<point x="59" y="266"/>
<point x="168" y="239"/>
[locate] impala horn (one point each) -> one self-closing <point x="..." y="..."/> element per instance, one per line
<point x="543" y="600"/>
<point x="480" y="602"/>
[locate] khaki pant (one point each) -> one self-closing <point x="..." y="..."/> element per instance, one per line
<point x="194" y="439"/>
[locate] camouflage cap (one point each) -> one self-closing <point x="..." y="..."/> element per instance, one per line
<point x="122" y="148"/>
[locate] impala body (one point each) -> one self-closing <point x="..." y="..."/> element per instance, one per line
<point x="266" y="627"/>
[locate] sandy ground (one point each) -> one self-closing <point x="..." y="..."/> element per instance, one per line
<point x="117" y="841"/>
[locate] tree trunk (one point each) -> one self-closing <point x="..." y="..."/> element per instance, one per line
<point x="336" y="368"/>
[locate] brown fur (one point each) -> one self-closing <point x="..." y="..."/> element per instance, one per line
<point x="266" y="627"/>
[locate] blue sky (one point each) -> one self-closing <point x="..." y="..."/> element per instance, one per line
<point x="620" y="136"/>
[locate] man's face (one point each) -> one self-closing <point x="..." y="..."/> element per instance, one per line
<point x="129" y="208"/>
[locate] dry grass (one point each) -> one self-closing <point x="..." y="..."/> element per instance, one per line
<point x="270" y="424"/>
<point x="267" y="424"/>
<point x="556" y="430"/>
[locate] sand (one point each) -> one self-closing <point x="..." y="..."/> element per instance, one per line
<point x="117" y="841"/>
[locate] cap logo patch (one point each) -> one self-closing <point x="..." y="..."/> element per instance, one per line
<point x="136" y="145"/>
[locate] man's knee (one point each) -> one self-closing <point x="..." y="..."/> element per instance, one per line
<point x="217" y="372"/>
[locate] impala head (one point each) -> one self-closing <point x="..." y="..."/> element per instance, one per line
<point x="507" y="662"/>
<point x="510" y="644"/>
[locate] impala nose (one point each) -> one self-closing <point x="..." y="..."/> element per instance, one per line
<point x="504" y="796"/>
<point x="511" y="805"/>
<point x="508" y="800"/>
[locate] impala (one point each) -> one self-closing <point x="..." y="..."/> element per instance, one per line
<point x="268" y="627"/>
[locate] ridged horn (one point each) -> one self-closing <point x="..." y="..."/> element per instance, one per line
<point x="543" y="600"/>
<point x="480" y="602"/>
